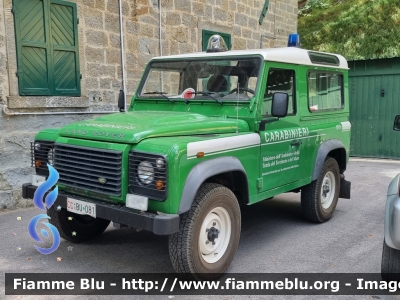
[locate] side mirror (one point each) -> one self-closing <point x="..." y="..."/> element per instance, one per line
<point x="279" y="109"/>
<point x="121" y="101"/>
<point x="280" y="103"/>
<point x="396" y="124"/>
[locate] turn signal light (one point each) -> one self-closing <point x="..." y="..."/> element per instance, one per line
<point x="159" y="185"/>
<point x="200" y="154"/>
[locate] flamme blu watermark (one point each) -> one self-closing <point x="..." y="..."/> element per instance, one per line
<point x="39" y="203"/>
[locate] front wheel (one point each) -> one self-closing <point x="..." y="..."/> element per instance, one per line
<point x="390" y="266"/>
<point x="208" y="234"/>
<point x="319" y="198"/>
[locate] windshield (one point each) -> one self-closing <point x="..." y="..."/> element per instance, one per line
<point x="212" y="79"/>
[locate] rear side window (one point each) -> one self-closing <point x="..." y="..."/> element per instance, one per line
<point x="325" y="91"/>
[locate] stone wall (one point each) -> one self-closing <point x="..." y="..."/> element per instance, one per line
<point x="182" y="22"/>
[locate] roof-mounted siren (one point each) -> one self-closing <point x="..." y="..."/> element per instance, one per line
<point x="216" y="44"/>
<point x="294" y="40"/>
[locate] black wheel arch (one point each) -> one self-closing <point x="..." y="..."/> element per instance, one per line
<point x="227" y="171"/>
<point x="333" y="148"/>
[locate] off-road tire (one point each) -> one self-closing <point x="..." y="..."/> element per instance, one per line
<point x="213" y="203"/>
<point x="390" y="266"/>
<point x="83" y="227"/>
<point x="312" y="199"/>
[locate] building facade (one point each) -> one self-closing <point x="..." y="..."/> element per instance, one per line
<point x="60" y="61"/>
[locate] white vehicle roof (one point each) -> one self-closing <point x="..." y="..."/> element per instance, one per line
<point x="290" y="55"/>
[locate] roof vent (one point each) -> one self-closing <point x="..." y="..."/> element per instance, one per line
<point x="216" y="44"/>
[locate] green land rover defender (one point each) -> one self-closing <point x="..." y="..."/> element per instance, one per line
<point x="204" y="134"/>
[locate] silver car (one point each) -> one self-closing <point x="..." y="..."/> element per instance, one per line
<point x="391" y="243"/>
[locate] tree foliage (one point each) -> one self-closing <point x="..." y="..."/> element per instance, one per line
<point x="312" y="5"/>
<point x="357" y="29"/>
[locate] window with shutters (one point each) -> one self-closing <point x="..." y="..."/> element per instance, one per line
<point x="47" y="47"/>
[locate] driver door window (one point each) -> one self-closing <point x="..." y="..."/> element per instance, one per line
<point x="279" y="80"/>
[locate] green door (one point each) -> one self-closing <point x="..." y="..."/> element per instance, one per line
<point x="374" y="102"/>
<point x="281" y="141"/>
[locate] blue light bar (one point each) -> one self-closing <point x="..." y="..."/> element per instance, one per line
<point x="294" y="40"/>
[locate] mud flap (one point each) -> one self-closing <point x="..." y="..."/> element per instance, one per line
<point x="345" y="187"/>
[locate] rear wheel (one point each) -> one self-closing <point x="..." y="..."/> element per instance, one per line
<point x="208" y="234"/>
<point x="319" y="198"/>
<point x="76" y="228"/>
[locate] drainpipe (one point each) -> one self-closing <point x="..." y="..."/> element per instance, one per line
<point x="122" y="52"/>
<point x="160" y="42"/>
<point x="159" y="23"/>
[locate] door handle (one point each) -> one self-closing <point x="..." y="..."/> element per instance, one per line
<point x="295" y="143"/>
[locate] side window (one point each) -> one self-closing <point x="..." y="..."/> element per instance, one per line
<point x="279" y="80"/>
<point x="325" y="91"/>
<point x="46" y="38"/>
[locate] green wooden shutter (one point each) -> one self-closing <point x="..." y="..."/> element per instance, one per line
<point x="64" y="43"/>
<point x="30" y="31"/>
<point x="47" y="47"/>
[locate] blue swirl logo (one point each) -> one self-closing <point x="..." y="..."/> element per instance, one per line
<point x="39" y="203"/>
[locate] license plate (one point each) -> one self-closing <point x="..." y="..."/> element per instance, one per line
<point x="81" y="207"/>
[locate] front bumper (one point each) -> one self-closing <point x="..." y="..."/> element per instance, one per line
<point x="392" y="215"/>
<point x="158" y="224"/>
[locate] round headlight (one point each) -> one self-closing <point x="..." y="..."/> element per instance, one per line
<point x="50" y="156"/>
<point x="160" y="163"/>
<point x="145" y="172"/>
<point x="37" y="146"/>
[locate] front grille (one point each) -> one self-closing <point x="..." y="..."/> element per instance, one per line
<point x="90" y="169"/>
<point x="136" y="186"/>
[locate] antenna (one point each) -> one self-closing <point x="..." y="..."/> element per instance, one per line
<point x="237" y="109"/>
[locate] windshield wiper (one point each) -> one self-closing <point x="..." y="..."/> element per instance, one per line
<point x="209" y="94"/>
<point x="160" y="93"/>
